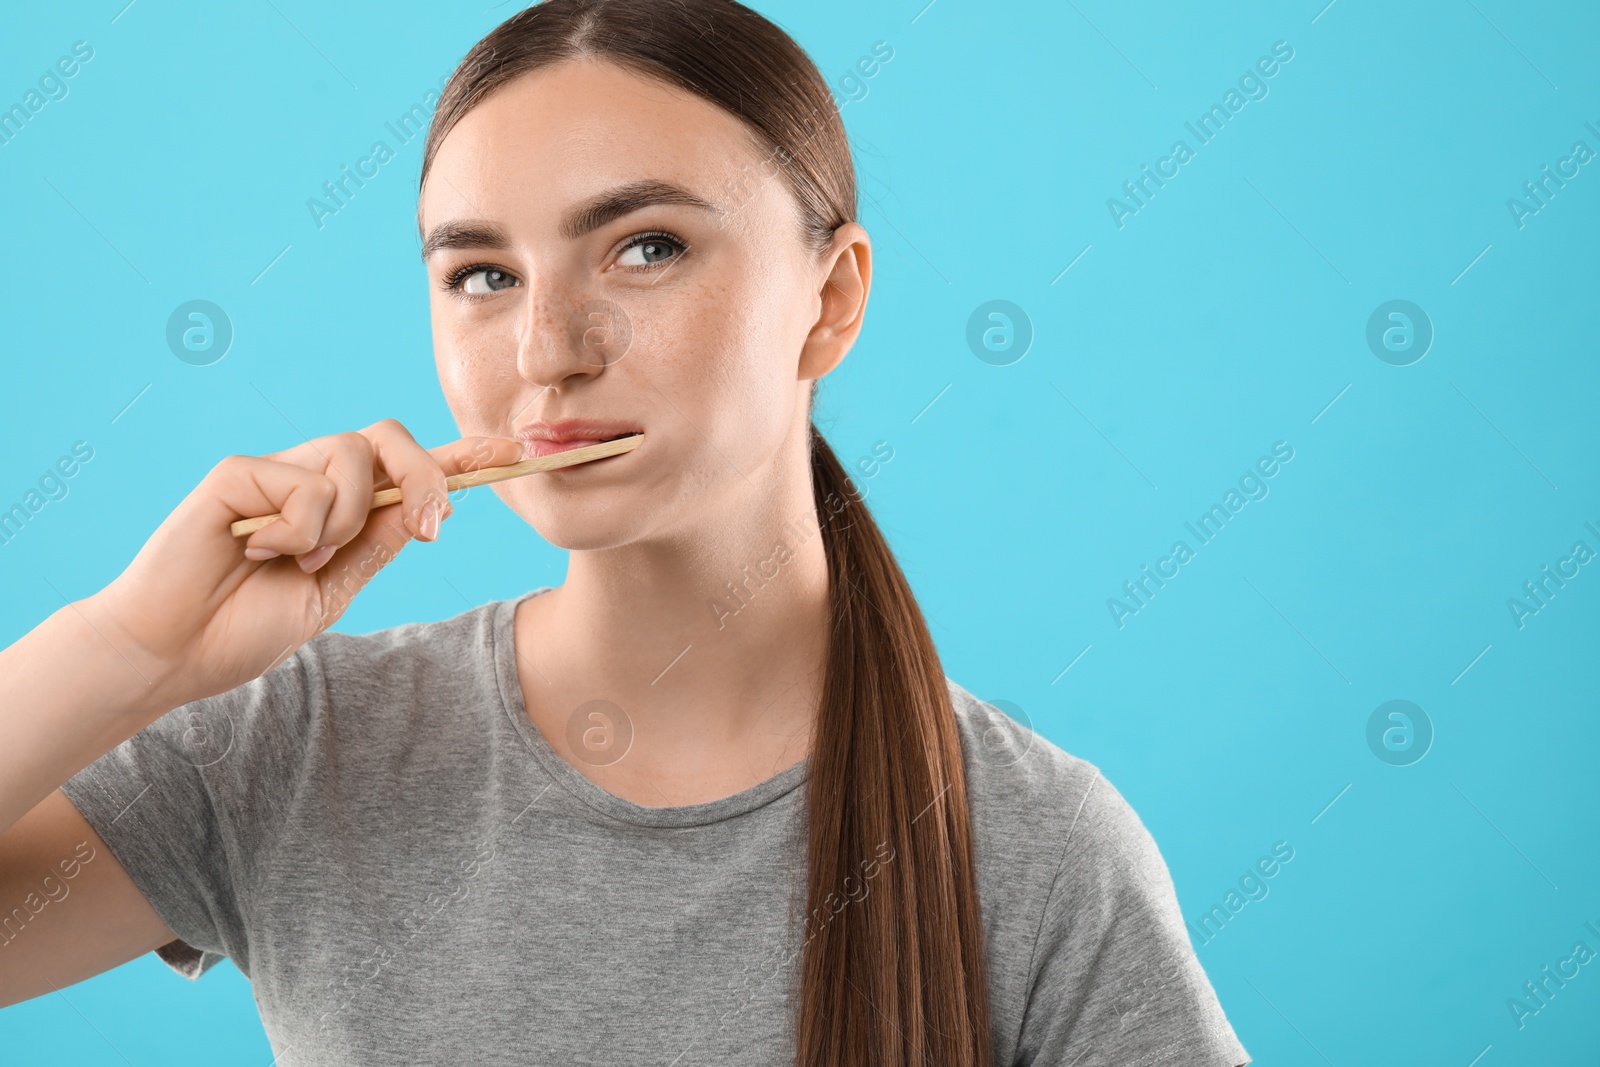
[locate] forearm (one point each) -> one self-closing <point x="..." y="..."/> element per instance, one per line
<point x="71" y="689"/>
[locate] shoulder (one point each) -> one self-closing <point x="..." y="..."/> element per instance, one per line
<point x="403" y="644"/>
<point x="381" y="667"/>
<point x="370" y="686"/>
<point x="1085" y="927"/>
<point x="1031" y="788"/>
<point x="1049" y="825"/>
<point x="334" y="682"/>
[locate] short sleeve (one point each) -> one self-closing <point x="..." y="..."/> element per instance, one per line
<point x="191" y="807"/>
<point x="1115" y="980"/>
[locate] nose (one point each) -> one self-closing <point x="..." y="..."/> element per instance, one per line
<point x="563" y="334"/>
<point x="545" y="356"/>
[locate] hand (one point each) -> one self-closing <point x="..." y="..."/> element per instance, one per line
<point x="204" y="612"/>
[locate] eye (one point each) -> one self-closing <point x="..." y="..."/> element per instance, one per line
<point x="467" y="280"/>
<point x="647" y="249"/>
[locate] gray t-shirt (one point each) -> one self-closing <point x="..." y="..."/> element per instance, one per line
<point x="407" y="872"/>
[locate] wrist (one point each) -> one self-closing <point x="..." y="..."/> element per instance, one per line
<point x="128" y="680"/>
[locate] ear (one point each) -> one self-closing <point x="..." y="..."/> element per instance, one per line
<point x="842" y="301"/>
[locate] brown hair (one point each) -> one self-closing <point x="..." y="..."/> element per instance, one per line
<point x="892" y="974"/>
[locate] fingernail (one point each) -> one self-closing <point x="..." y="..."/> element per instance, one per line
<point x="317" y="557"/>
<point x="430" y="521"/>
<point x="261" y="553"/>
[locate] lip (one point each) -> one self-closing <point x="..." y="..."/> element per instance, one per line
<point x="544" y="438"/>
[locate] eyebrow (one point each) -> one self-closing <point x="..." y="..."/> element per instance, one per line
<point x="586" y="218"/>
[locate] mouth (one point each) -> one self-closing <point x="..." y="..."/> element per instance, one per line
<point x="545" y="438"/>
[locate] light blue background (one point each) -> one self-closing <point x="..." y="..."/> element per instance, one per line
<point x="1228" y="314"/>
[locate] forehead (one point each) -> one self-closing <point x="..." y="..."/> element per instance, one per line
<point x="552" y="138"/>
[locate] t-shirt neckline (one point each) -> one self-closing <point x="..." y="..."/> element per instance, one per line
<point x="586" y="791"/>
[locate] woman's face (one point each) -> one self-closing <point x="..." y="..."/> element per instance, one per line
<point x="574" y="275"/>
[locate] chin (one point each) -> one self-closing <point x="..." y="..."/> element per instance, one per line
<point x="577" y="520"/>
<point x="584" y="537"/>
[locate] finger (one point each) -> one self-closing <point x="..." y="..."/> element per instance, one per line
<point x="245" y="486"/>
<point x="347" y="460"/>
<point x="312" y="453"/>
<point x="476" y="453"/>
<point x="349" y="466"/>
<point x="424" y="495"/>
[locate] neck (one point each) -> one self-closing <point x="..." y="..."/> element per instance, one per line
<point x="712" y="643"/>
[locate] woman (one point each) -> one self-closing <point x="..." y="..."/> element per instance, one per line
<point x="712" y="800"/>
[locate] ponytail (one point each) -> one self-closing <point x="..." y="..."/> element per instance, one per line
<point x="893" y="967"/>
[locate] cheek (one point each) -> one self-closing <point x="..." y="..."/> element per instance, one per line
<point x="476" y="392"/>
<point x="476" y="375"/>
<point x="456" y="375"/>
<point x="720" y="349"/>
